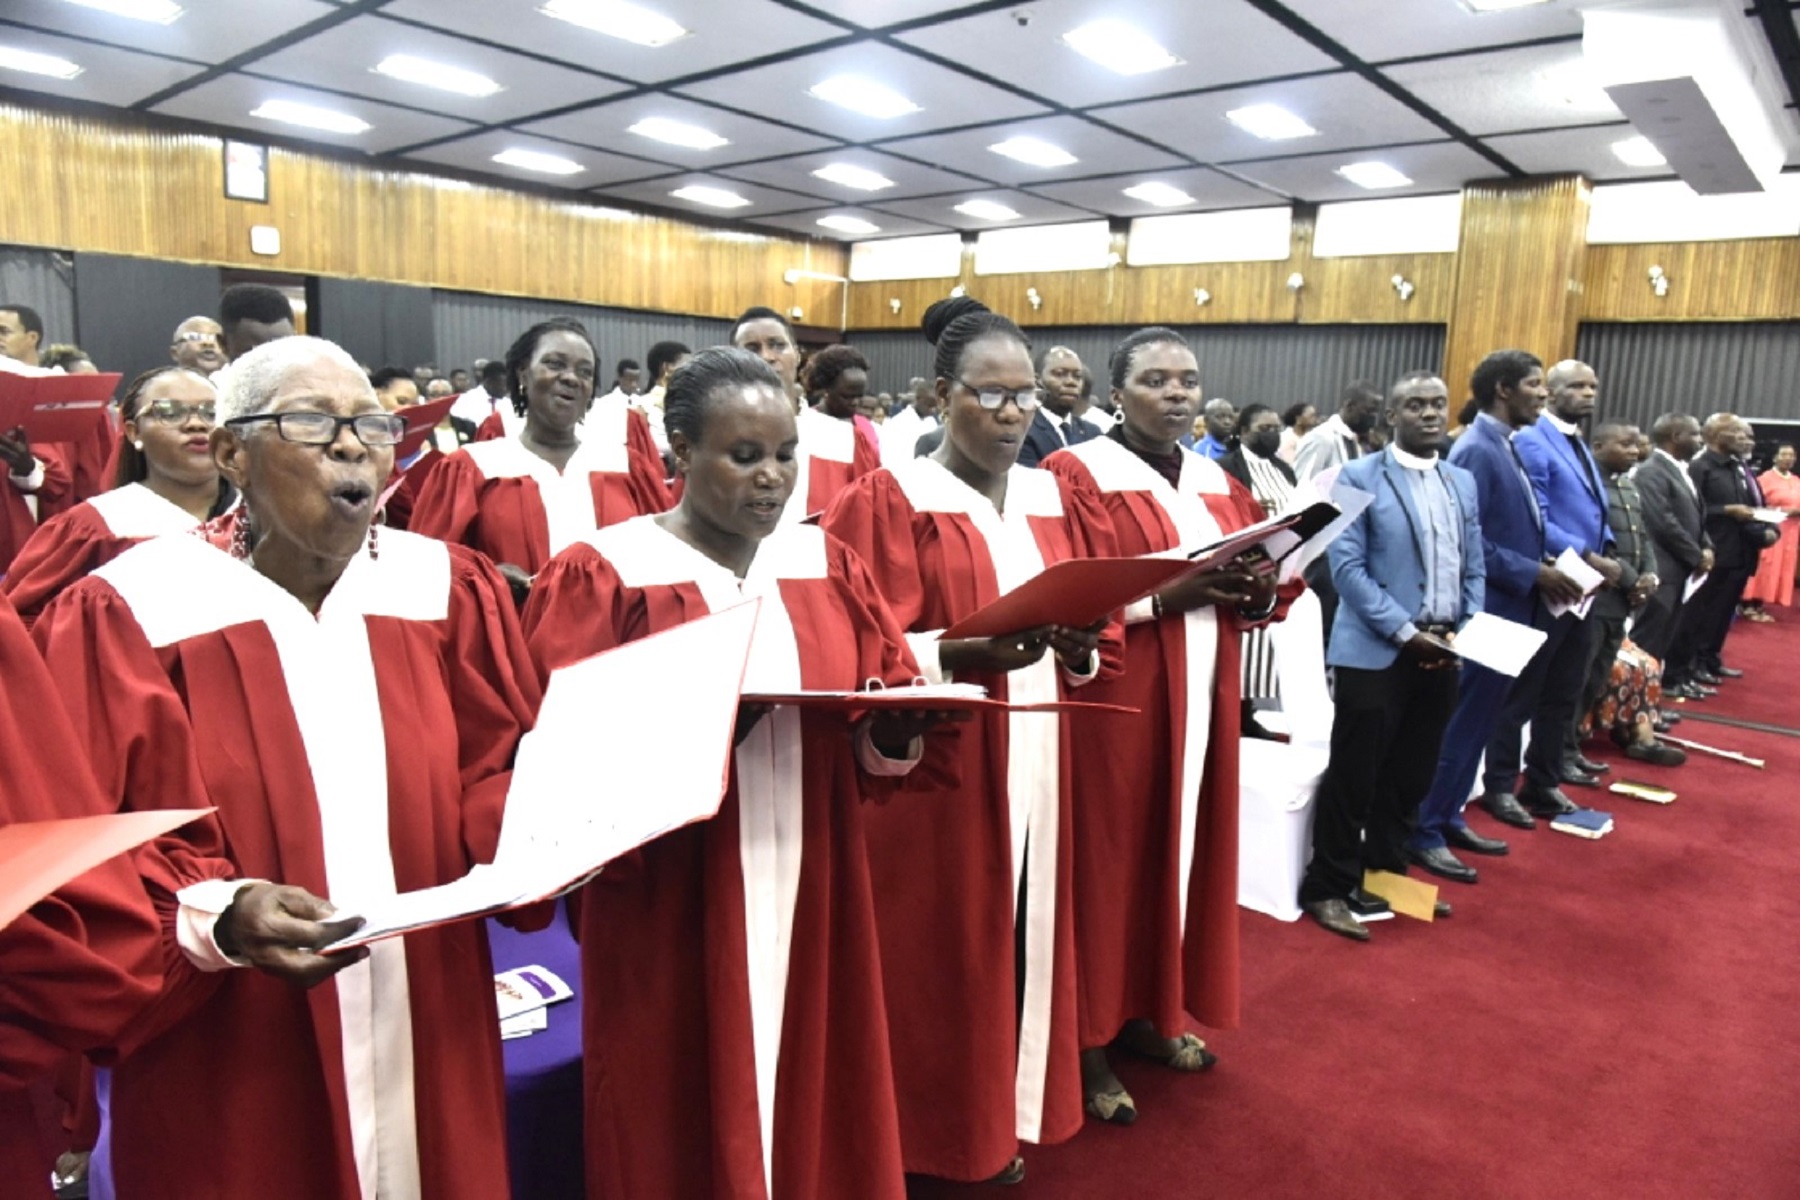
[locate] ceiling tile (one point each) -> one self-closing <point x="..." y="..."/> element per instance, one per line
<point x="476" y="153"/>
<point x="1442" y="167"/>
<point x="807" y="222"/>
<point x="1032" y="210"/>
<point x="1097" y="151"/>
<point x="1588" y="151"/>
<point x="657" y="192"/>
<point x="1377" y="30"/>
<point x="208" y="31"/>
<point x="910" y="179"/>
<point x="1209" y="189"/>
<point x="946" y="98"/>
<point x="1509" y="91"/>
<point x="875" y="14"/>
<point x="344" y="57"/>
<point x="721" y="33"/>
<point x="1346" y="109"/>
<point x="606" y="126"/>
<point x="1209" y="35"/>
<point x="229" y="99"/>
<point x="108" y="75"/>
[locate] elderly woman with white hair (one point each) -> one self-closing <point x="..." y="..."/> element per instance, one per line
<point x="350" y="700"/>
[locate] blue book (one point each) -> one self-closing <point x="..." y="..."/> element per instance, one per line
<point x="1584" y="822"/>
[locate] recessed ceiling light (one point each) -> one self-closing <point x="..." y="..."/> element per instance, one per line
<point x="289" y="112"/>
<point x="1163" y="195"/>
<point x="1034" y="152"/>
<point x="1119" y="47"/>
<point x="986" y="210"/>
<point x="14" y="59"/>
<point x="711" y="196"/>
<point x="1482" y="6"/>
<point x="1638" y="152"/>
<point x="159" y="11"/>
<point x="860" y="178"/>
<point x="678" y="133"/>
<point x="1269" y="121"/>
<point x="532" y="160"/>
<point x="865" y="96"/>
<point x="1373" y="175"/>
<point x="409" y="69"/>
<point x="617" y="18"/>
<point x="849" y="224"/>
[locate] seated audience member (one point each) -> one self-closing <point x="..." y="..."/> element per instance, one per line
<point x="837" y="383"/>
<point x="1338" y="439"/>
<point x="1773" y="582"/>
<point x="1056" y="424"/>
<point x="198" y="345"/>
<point x="760" y="921"/>
<point x="663" y="360"/>
<point x="901" y="433"/>
<point x="1255" y="462"/>
<point x="71" y="360"/>
<point x="1219" y="421"/>
<point x="486" y="400"/>
<point x="391" y="685"/>
<point x="423" y="374"/>
<point x="459" y="380"/>
<point x="873" y="407"/>
<point x="1156" y="924"/>
<point x="520" y="500"/>
<point x="1097" y="412"/>
<point x="251" y="314"/>
<point x="395" y="388"/>
<point x="1676" y="525"/>
<point x="1395" y="673"/>
<point x="1297" y="420"/>
<point x="831" y="453"/>
<point x="437" y="388"/>
<point x="626" y="376"/>
<point x="166" y="482"/>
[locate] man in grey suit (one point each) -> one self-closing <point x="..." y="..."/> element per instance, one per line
<point x="1676" y="525"/>
<point x="1409" y="572"/>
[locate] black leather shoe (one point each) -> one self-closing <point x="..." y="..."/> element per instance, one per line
<point x="1505" y="809"/>
<point x="1701" y="675"/>
<point x="1441" y="909"/>
<point x="1571" y="774"/>
<point x="1583" y="762"/>
<point x="1546" y="802"/>
<point x="1440" y="862"/>
<point x="1464" y="838"/>
<point x="1366" y="904"/>
<point x="1728" y="672"/>
<point x="1335" y="915"/>
<point x="1687" y="691"/>
<point x="1656" y="752"/>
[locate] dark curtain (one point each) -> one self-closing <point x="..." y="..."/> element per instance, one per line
<point x="43" y="280"/>
<point x="1649" y="368"/>
<point x="380" y="324"/>
<point x="126" y="309"/>
<point x="470" y="326"/>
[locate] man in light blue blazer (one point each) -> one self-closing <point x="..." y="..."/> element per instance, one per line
<point x="1409" y="572"/>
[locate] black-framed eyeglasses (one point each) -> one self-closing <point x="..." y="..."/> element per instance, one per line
<point x="173" y="412"/>
<point x="194" y="335"/>
<point x="991" y="398"/>
<point x="321" y="429"/>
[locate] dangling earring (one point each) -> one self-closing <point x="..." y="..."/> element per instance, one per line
<point x="374" y="543"/>
<point x="240" y="538"/>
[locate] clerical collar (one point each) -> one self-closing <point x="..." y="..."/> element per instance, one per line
<point x="1412" y="462"/>
<point x="1568" y="427"/>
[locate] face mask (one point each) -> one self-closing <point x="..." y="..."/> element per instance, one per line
<point x="1265" y="443"/>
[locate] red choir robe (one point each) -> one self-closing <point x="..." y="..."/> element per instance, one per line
<point x="734" y="1036"/>
<point x="501" y="499"/>
<point x="355" y="753"/>
<point x="71" y="544"/>
<point x="830" y="456"/>
<point x="1156" y="863"/>
<point x="92" y="459"/>
<point x="405" y="497"/>
<point x="21" y="511"/>
<point x="975" y="1074"/>
<point x="75" y="967"/>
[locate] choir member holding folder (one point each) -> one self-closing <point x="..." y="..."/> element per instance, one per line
<point x="945" y="535"/>
<point x="1156" y="862"/>
<point x="735" y="1039"/>
<point x="350" y="700"/>
<point x="575" y="467"/>
<point x="166" y="482"/>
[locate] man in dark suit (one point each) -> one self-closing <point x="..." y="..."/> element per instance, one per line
<point x="1253" y="461"/>
<point x="1677" y="529"/>
<point x="1055" y="424"/>
<point x="1510" y="386"/>
<point x="1728" y="496"/>
<point x="1409" y="572"/>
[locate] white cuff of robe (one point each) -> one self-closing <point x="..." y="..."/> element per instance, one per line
<point x="925" y="649"/>
<point x="870" y="758"/>
<point x="32" y="481"/>
<point x="1077" y="678"/>
<point x="1139" y="611"/>
<point x="201" y="905"/>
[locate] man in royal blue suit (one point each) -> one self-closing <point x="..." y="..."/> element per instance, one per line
<point x="1409" y="573"/>
<point x="1509" y="385"/>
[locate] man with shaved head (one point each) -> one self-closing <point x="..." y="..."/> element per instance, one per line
<point x="1056" y="424"/>
<point x="198" y="345"/>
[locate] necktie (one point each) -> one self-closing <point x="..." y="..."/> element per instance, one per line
<point x="1756" y="495"/>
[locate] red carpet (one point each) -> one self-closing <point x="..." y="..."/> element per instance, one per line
<point x="1599" y="1019"/>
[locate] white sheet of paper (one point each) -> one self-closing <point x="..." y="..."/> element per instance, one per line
<point x="1693" y="585"/>
<point x="524" y="1025"/>
<point x="628" y="745"/>
<point x="1350" y="502"/>
<point x="1571" y="564"/>
<point x="1497" y="644"/>
<point x="1773" y="516"/>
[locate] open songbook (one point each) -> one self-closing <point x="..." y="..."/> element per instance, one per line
<point x="628" y="745"/>
<point x="920" y="696"/>
<point x="37" y="857"/>
<point x="54" y="407"/>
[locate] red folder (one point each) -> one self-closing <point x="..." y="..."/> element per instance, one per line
<point x="55" y="408"/>
<point x="37" y="857"/>
<point x="420" y="420"/>
<point x="1075" y="592"/>
<point x="920" y="699"/>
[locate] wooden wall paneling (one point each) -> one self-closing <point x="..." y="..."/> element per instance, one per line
<point x="870" y="307"/>
<point x="1749" y="279"/>
<point x="1360" y="290"/>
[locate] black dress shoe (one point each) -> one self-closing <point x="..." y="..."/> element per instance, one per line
<point x="1464" y="838"/>
<point x="1334" y="915"/>
<point x="1505" y="809"/>
<point x="1728" y="672"/>
<point x="1656" y="752"/>
<point x="1367" y="904"/>
<point x="1688" y="691"/>
<point x="1571" y="774"/>
<point x="1703" y="676"/>
<point x="1441" y="909"/>
<point x="1546" y="802"/>
<point x="1583" y="762"/>
<point x="1440" y="862"/>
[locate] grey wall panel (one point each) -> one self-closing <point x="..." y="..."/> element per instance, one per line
<point x="1271" y="364"/>
<point x="1750" y="368"/>
<point x="43" y="280"/>
<point x="380" y="324"/>
<point x="471" y="326"/>
<point x="127" y="308"/>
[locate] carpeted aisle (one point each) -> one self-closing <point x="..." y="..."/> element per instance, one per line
<point x="1617" y="1018"/>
